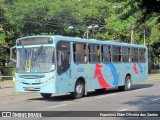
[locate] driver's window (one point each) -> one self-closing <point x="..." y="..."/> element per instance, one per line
<point x="63" y="57"/>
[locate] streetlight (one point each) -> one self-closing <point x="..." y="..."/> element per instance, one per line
<point x="93" y="30"/>
<point x="144" y="34"/>
<point x="70" y="27"/>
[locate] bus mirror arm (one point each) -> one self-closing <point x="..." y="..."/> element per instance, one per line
<point x="11" y="53"/>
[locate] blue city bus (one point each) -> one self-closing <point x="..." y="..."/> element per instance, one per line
<point x="59" y="64"/>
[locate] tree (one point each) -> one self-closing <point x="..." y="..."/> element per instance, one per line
<point x="48" y="17"/>
<point x="123" y="14"/>
<point x="114" y="18"/>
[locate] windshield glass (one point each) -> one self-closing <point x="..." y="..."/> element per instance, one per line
<point x="36" y="59"/>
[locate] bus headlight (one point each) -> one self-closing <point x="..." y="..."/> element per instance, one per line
<point x="18" y="82"/>
<point x="48" y="81"/>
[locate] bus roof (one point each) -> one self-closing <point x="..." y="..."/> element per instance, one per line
<point x="84" y="40"/>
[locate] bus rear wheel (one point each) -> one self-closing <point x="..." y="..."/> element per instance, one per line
<point x="79" y="90"/>
<point x="128" y="84"/>
<point x="46" y="95"/>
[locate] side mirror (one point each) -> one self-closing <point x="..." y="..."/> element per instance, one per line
<point x="11" y="54"/>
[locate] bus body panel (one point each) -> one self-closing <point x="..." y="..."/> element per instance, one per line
<point x="96" y="75"/>
<point x="43" y="83"/>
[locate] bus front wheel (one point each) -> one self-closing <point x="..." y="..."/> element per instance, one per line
<point x="46" y="95"/>
<point x="79" y="90"/>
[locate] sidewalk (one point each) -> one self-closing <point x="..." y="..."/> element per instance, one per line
<point x="8" y="93"/>
<point x="154" y="76"/>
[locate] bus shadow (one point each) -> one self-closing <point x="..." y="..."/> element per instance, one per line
<point x="68" y="97"/>
<point x="116" y="90"/>
<point x="142" y="86"/>
<point x="63" y="97"/>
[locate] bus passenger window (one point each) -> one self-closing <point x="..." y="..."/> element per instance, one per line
<point x="116" y="54"/>
<point x="93" y="53"/>
<point x="106" y="53"/>
<point x="120" y="55"/>
<point x="80" y="52"/>
<point x="134" y="54"/>
<point x="126" y="54"/>
<point x="142" y="55"/>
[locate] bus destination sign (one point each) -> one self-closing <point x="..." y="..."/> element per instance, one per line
<point x="34" y="41"/>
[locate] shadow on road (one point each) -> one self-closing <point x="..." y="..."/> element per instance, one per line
<point x="68" y="97"/>
<point x="148" y="103"/>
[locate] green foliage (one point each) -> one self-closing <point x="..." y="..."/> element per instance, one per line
<point x="7" y="71"/>
<point x="114" y="18"/>
<point x="4" y="54"/>
<point x="126" y="13"/>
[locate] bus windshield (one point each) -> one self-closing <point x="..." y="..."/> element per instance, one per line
<point x="35" y="59"/>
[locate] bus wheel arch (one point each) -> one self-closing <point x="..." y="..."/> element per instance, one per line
<point x="79" y="89"/>
<point x="46" y="95"/>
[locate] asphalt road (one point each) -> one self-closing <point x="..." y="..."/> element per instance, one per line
<point x="143" y="97"/>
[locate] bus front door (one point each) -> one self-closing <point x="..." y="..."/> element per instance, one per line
<point x="63" y="65"/>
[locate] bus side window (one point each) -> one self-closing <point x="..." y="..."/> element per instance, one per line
<point x="142" y="55"/>
<point x="134" y="54"/>
<point x="80" y="52"/>
<point x="94" y="55"/>
<point x="116" y="53"/>
<point x="120" y="54"/>
<point x="106" y="53"/>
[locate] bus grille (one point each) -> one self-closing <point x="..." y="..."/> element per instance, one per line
<point x="31" y="76"/>
<point x="31" y="83"/>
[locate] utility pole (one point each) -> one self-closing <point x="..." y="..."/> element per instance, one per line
<point x="132" y="34"/>
<point x="86" y="34"/>
<point x="144" y="32"/>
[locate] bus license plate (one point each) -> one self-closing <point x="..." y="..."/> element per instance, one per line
<point x="31" y="88"/>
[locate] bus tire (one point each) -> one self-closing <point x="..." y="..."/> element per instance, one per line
<point x="46" y="95"/>
<point x="79" y="89"/>
<point x="127" y="85"/>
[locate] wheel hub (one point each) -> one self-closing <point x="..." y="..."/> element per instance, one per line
<point x="79" y="89"/>
<point x="128" y="83"/>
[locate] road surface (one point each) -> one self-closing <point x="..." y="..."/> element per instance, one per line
<point x="143" y="97"/>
